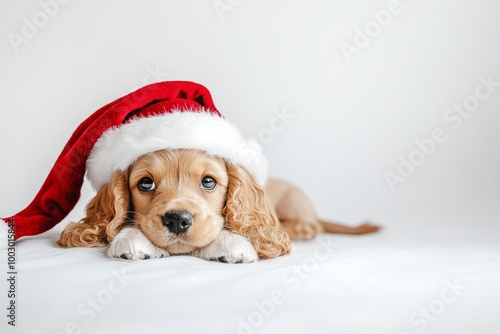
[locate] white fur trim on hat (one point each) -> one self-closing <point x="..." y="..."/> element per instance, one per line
<point x="119" y="147"/>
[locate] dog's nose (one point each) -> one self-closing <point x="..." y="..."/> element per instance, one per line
<point x="178" y="221"/>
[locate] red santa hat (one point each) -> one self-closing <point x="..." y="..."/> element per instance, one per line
<point x="165" y="115"/>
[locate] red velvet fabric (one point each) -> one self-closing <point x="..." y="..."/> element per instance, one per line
<point x="61" y="190"/>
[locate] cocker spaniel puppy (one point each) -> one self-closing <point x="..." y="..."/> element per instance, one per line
<point x="182" y="201"/>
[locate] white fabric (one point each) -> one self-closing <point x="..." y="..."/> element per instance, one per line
<point x="119" y="147"/>
<point x="334" y="284"/>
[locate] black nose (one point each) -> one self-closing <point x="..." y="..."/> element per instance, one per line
<point x="178" y="221"/>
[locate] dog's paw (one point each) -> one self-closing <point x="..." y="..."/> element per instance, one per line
<point x="229" y="248"/>
<point x="132" y="244"/>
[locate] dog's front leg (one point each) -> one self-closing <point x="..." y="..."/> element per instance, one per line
<point x="131" y="244"/>
<point x="228" y="247"/>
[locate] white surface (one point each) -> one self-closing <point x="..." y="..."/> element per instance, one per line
<point x="4" y="235"/>
<point x="334" y="284"/>
<point x="351" y="123"/>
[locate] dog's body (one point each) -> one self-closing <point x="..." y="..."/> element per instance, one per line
<point x="188" y="202"/>
<point x="297" y="215"/>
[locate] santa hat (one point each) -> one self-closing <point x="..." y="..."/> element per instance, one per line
<point x="165" y="115"/>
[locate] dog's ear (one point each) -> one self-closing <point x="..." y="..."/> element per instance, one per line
<point x="106" y="213"/>
<point x="249" y="214"/>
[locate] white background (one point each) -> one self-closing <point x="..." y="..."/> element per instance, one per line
<point x="352" y="119"/>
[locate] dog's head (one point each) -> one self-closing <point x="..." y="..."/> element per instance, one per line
<point x="181" y="199"/>
<point x="177" y="197"/>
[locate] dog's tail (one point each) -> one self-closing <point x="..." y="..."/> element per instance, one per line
<point x="333" y="227"/>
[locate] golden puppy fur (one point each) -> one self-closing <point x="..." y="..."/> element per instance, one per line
<point x="236" y="204"/>
<point x="297" y="216"/>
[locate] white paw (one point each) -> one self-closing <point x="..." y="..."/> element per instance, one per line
<point x="229" y="247"/>
<point x="132" y="244"/>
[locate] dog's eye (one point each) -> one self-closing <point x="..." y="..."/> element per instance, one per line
<point x="146" y="184"/>
<point x="208" y="183"/>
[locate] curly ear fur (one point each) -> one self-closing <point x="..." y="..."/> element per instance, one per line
<point x="106" y="213"/>
<point x="249" y="214"/>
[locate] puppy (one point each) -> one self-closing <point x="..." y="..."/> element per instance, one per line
<point x="173" y="202"/>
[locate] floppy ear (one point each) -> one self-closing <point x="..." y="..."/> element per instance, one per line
<point x="106" y="213"/>
<point x="249" y="214"/>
